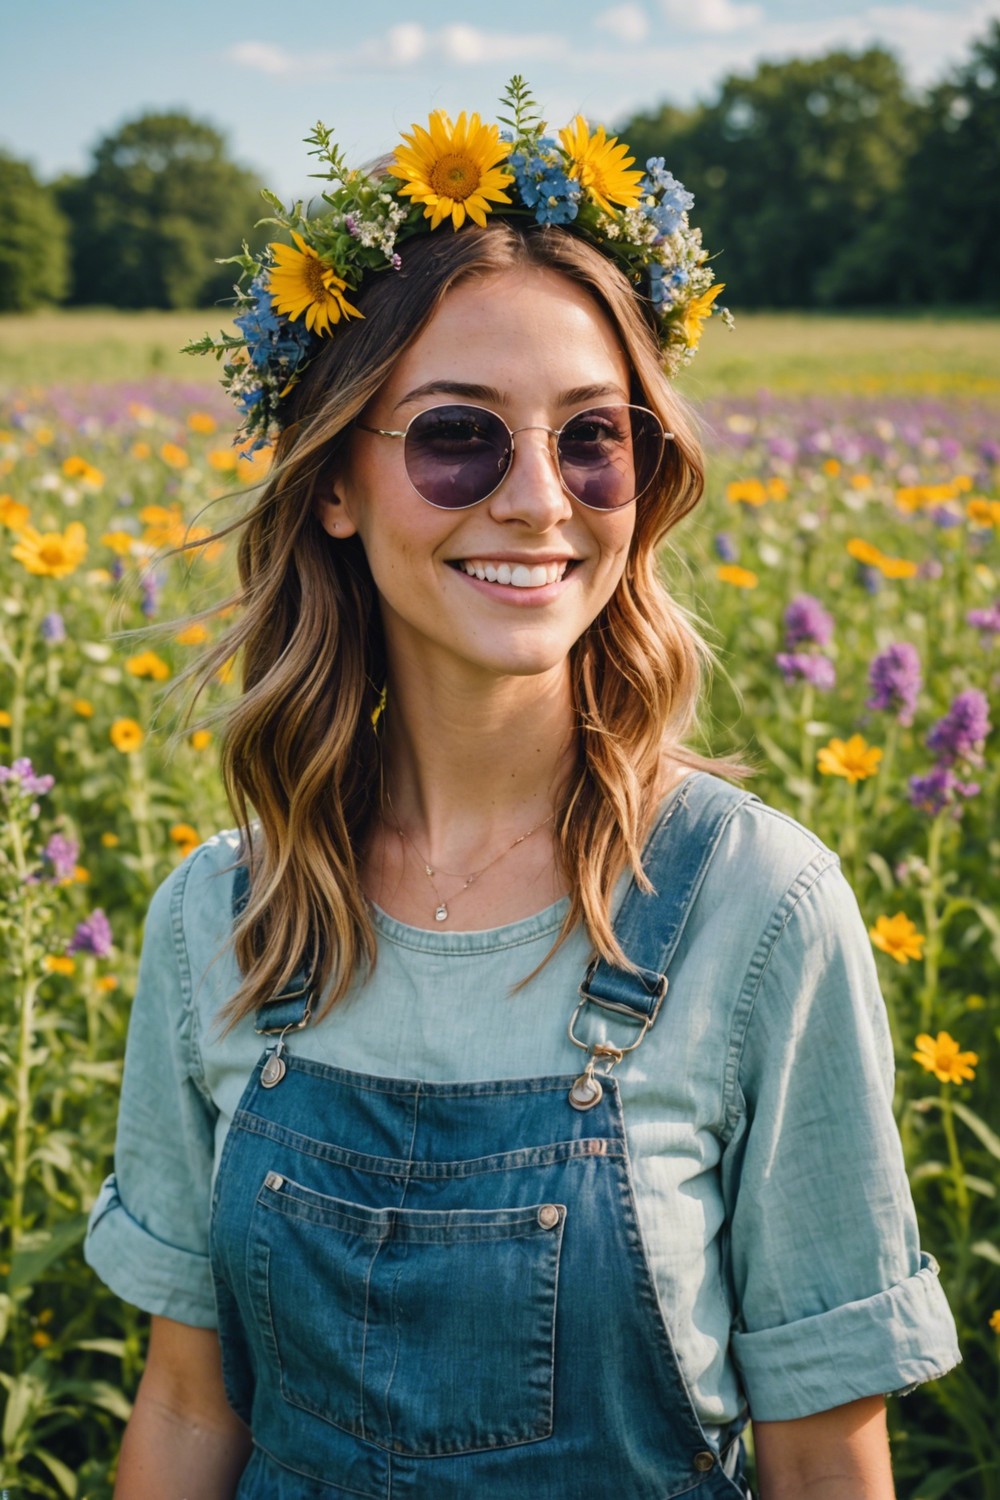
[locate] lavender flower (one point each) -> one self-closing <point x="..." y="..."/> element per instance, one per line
<point x="807" y="623"/>
<point x="938" y="789"/>
<point x="895" y="680"/>
<point x="799" y="666"/>
<point x="92" y="935"/>
<point x="52" y="629"/>
<point x="150" y="592"/>
<point x="23" y="775"/>
<point x="725" y="547"/>
<point x="61" y="853"/>
<point x="986" y="620"/>
<point x="961" y="733"/>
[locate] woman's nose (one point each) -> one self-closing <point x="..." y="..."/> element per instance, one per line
<point x="532" y="489"/>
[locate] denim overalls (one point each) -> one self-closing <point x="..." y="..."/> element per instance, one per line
<point x="440" y="1290"/>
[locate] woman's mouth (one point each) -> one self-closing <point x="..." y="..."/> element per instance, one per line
<point x="515" y="575"/>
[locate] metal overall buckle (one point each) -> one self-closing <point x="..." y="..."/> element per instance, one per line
<point x="587" y="1090"/>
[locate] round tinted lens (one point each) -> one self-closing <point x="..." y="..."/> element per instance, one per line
<point x="456" y="455"/>
<point x="608" y="455"/>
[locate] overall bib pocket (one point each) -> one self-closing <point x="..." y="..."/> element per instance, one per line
<point x="427" y="1332"/>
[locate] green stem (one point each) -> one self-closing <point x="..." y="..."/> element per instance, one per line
<point x="954" y="1158"/>
<point x="930" y="896"/>
<point x="883" y="784"/>
<point x="849" y="844"/>
<point x="19" y="665"/>
<point x="807" y="755"/>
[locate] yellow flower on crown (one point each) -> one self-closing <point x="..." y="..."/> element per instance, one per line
<point x="697" y="313"/>
<point x="303" y="285"/>
<point x="601" y="165"/>
<point x="452" y="169"/>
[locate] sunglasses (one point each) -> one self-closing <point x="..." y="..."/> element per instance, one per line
<point x="457" y="455"/>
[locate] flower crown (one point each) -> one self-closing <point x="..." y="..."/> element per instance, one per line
<point x="291" y="298"/>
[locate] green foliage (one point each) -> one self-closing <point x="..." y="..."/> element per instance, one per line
<point x="160" y="203"/>
<point x="33" y="242"/>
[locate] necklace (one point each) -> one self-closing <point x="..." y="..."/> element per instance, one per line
<point x="441" y="913"/>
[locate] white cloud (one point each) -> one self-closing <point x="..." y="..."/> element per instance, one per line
<point x="407" y="43"/>
<point x="629" y="23"/>
<point x="262" y="57"/>
<point x="468" y="45"/>
<point x="713" y="16"/>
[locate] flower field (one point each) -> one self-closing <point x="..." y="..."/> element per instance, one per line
<point x="847" y="565"/>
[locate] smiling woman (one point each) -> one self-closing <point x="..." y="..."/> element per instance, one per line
<point x="571" y="1150"/>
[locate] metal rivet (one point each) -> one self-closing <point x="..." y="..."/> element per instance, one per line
<point x="586" y="1092"/>
<point x="273" y="1071"/>
<point x="704" y="1461"/>
<point x="548" y="1216"/>
<point x="275" y="1181"/>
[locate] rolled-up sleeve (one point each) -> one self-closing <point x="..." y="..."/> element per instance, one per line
<point x="148" y="1231"/>
<point x="834" y="1298"/>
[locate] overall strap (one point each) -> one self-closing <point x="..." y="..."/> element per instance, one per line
<point x="649" y="924"/>
<point x="291" y="1007"/>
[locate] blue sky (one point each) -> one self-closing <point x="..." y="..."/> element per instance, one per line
<point x="264" y="72"/>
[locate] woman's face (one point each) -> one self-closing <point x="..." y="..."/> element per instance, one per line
<point x="535" y="348"/>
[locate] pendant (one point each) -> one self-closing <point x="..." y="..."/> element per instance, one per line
<point x="441" y="914"/>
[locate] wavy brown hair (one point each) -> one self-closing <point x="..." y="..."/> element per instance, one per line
<point x="299" y="748"/>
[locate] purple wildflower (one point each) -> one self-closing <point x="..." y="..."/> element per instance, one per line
<point x="92" y="935"/>
<point x="986" y="620"/>
<point x="62" y="854"/>
<point x="725" y="547"/>
<point x="150" y="592"/>
<point x="351" y="225"/>
<point x="799" y="666"/>
<point x="962" y="731"/>
<point x="938" y="789"/>
<point x="807" y="622"/>
<point x="396" y="261"/>
<point x="24" y="775"/>
<point x="989" y="451"/>
<point x="52" y="629"/>
<point x="895" y="680"/>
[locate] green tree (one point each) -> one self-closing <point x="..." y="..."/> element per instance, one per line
<point x="787" y="166"/>
<point x="33" y="245"/>
<point x="161" y="202"/>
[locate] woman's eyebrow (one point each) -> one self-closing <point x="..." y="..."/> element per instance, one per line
<point x="470" y="392"/>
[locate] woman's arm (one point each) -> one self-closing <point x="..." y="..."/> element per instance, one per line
<point x="841" y="1454"/>
<point x="183" y="1440"/>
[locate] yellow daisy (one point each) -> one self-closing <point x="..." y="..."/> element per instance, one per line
<point x="300" y="283"/>
<point x="601" y="165"/>
<point x="697" y="313"/>
<point x="854" y="759"/>
<point x="741" y="578"/>
<point x="453" y="169"/>
<point x="126" y="735"/>
<point x="13" y="514"/>
<point x="52" y="554"/>
<point x="898" y="937"/>
<point x="148" y="664"/>
<point x="940" y="1056"/>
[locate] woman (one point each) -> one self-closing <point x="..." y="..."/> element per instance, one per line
<point x="568" y="1146"/>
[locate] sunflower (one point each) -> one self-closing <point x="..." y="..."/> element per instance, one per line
<point x="51" y="554"/>
<point x="300" y="282"/>
<point x="697" y="312"/>
<point x="600" y="165"/>
<point x="452" y="169"/>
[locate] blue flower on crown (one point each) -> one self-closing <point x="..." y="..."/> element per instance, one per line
<point x="666" y="199"/>
<point x="270" y="338"/>
<point x="544" y="186"/>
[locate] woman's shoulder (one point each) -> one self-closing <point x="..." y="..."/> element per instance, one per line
<point x="195" y="900"/>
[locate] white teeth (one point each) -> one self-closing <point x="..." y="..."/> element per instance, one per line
<point x="518" y="575"/>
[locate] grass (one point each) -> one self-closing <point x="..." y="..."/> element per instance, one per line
<point x="788" y="353"/>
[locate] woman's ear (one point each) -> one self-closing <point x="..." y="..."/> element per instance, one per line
<point x="332" y="511"/>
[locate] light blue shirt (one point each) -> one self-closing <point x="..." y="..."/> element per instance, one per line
<point x="768" y="1172"/>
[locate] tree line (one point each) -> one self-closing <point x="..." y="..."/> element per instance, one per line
<point x="825" y="182"/>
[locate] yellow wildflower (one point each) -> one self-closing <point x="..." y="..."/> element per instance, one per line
<point x="141" y="413"/>
<point x="76" y="467"/>
<point x="453" y="169"/>
<point x="898" y="937"/>
<point x="962" y="483"/>
<point x="975" y="1002"/>
<point x="777" y="489"/>
<point x="831" y="467"/>
<point x="83" y="707"/>
<point x="81" y="875"/>
<point x="51" y="554"/>
<point x="120" y="542"/>
<point x="126" y="735"/>
<point x="940" y="1056"/>
<point x="995" y="1321"/>
<point x="110" y="840"/>
<point x="174" y="456"/>
<point x="185" y="837"/>
<point x="896" y="567"/>
<point x="861" y="481"/>
<point x="108" y="982"/>
<point x="201" y="739"/>
<point x="192" y="635"/>
<point x="164" y="525"/>
<point x="41" y="1339"/>
<point x="13" y="514"/>
<point x="5" y="719"/>
<point x="741" y="578"/>
<point x="222" y="459"/>
<point x="746" y="491"/>
<point x="201" y="422"/>
<point x="301" y="283"/>
<point x="863" y="552"/>
<point x="854" y="759"/>
<point x="58" y="963"/>
<point x="983" y="512"/>
<point x="148" y="664"/>
<point x="141" y="450"/>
